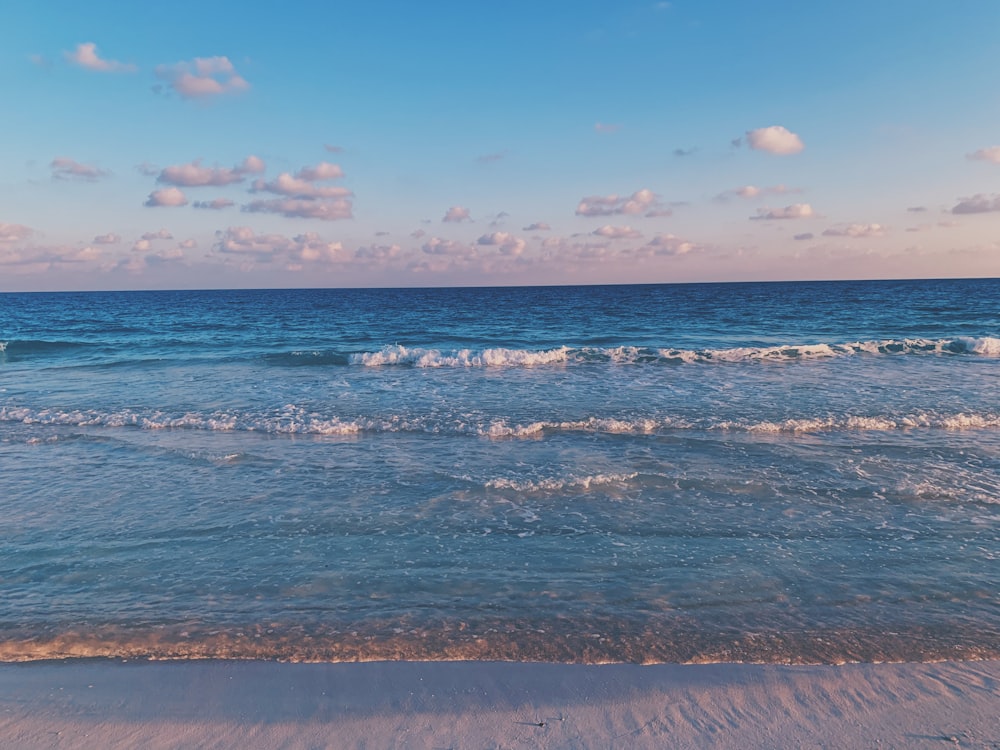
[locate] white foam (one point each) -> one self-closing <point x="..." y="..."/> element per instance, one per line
<point x="495" y="357"/>
<point x="555" y="484"/>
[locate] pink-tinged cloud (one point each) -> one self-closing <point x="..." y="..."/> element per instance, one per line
<point x="322" y="171"/>
<point x="639" y="202"/>
<point x="379" y="253"/>
<point x="671" y="244"/>
<point x="213" y="205"/>
<point x="142" y="246"/>
<point x="606" y="128"/>
<point x="67" y="169"/>
<point x="195" y="175"/>
<point x="107" y="239"/>
<point x="617" y="233"/>
<point x="167" y="197"/>
<point x="977" y="204"/>
<point x="202" y="78"/>
<point x="14" y="232"/>
<point x="795" y="211"/>
<point x="804" y="236"/>
<point x="294" y="208"/>
<point x="188" y="244"/>
<point x="160" y="234"/>
<point x="991" y="154"/>
<point x="538" y="226"/>
<point x="917" y="209"/>
<point x="296" y="187"/>
<point x="508" y="243"/>
<point x="775" y="140"/>
<point x="856" y="231"/>
<point x="457" y="214"/>
<point x="753" y="191"/>
<point x="449" y="248"/>
<point x="85" y="56"/>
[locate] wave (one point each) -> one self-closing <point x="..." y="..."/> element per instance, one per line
<point x="293" y="421"/>
<point x="985" y="346"/>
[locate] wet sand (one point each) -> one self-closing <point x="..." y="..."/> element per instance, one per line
<point x="227" y="704"/>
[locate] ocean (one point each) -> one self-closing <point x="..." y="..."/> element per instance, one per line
<point x="759" y="472"/>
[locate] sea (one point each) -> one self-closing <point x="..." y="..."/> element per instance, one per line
<point x="752" y="472"/>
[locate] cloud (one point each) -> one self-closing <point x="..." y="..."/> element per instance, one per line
<point x="457" y="214"/>
<point x="752" y="191"/>
<point x="161" y="234"/>
<point x="304" y="248"/>
<point x="775" y="140"/>
<point x="617" y="233"/>
<point x="333" y="149"/>
<point x="67" y="169"/>
<point x="795" y="211"/>
<point x="202" y="77"/>
<point x="991" y="154"/>
<point x="213" y="205"/>
<point x="14" y="232"/>
<point x="856" y="230"/>
<point x="167" y="197"/>
<point x="917" y="209"/>
<point x="615" y="205"/>
<point x="188" y="244"/>
<point x="603" y="127"/>
<point x="296" y="187"/>
<point x="671" y="244"/>
<point x="682" y="152"/>
<point x="804" y="236"/>
<point x="489" y="158"/>
<point x="195" y="175"/>
<point x="147" y="169"/>
<point x="301" y="208"/>
<point x="538" y="226"/>
<point x="85" y="56"/>
<point x="977" y="204"/>
<point x="508" y="243"/>
<point x="322" y="171"/>
<point x="107" y="239"/>
<point x="142" y="245"/>
<point x="439" y="246"/>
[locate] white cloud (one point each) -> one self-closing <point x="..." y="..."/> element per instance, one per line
<point x="107" y="239"/>
<point x="991" y="154"/>
<point x="614" y="205"/>
<point x="617" y="233"/>
<point x="195" y="175"/>
<point x="856" y="230"/>
<point x="977" y="204"/>
<point x="538" y="226"/>
<point x="457" y="214"/>
<point x="85" y="56"/>
<point x="213" y="205"/>
<point x="67" y="169"/>
<point x="167" y="197"/>
<point x="795" y="211"/>
<point x="202" y="77"/>
<point x="775" y="140"/>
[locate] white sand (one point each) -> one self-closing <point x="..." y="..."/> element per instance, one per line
<point x="99" y="704"/>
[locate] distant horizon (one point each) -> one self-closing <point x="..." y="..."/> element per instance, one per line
<point x="505" y="286"/>
<point x="452" y="146"/>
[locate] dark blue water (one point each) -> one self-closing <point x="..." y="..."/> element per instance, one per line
<point x="767" y="472"/>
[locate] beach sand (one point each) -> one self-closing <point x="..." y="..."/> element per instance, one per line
<point x="223" y="704"/>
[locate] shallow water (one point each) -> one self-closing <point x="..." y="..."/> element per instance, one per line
<point x="755" y="472"/>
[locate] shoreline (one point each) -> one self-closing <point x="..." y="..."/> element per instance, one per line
<point x="103" y="703"/>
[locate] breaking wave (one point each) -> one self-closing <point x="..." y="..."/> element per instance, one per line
<point x="294" y="421"/>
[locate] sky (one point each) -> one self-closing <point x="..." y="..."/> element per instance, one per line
<point x="387" y="144"/>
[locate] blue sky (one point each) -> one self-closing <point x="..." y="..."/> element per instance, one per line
<point x="399" y="144"/>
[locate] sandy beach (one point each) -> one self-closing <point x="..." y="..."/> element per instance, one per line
<point x="217" y="704"/>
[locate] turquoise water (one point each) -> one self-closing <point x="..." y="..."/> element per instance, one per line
<point x="756" y="472"/>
